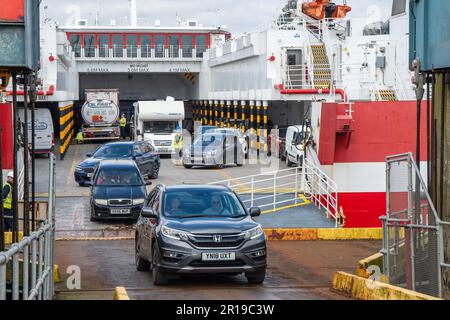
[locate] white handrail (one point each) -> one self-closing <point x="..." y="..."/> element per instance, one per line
<point x="282" y="187"/>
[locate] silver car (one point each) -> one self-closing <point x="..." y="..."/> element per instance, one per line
<point x="214" y="150"/>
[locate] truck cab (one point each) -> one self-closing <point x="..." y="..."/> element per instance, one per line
<point x="296" y="138"/>
<point x="158" y="122"/>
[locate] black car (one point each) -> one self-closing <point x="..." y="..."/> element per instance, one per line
<point x="141" y="152"/>
<point x="199" y="230"/>
<point x="118" y="191"/>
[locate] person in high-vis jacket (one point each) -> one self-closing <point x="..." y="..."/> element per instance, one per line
<point x="123" y="126"/>
<point x="177" y="148"/>
<point x="7" y="202"/>
<point x="79" y="137"/>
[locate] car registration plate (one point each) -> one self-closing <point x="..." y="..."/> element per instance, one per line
<point x="198" y="159"/>
<point x="218" y="256"/>
<point x="120" y="211"/>
<point x="89" y="175"/>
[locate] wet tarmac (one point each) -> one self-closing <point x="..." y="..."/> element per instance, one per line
<point x="297" y="270"/>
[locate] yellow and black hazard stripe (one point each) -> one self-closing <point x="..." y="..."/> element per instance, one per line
<point x="190" y="77"/>
<point x="66" y="128"/>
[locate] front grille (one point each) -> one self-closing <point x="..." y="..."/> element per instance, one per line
<point x="206" y="241"/>
<point x="120" y="202"/>
<point x="215" y="264"/>
<point x="231" y="244"/>
<point x="89" y="170"/>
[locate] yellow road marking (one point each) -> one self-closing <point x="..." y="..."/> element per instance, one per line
<point x="72" y="168"/>
<point x="120" y="293"/>
<point x="224" y="174"/>
<point x="304" y="203"/>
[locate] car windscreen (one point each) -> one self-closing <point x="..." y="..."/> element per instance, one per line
<point x="114" y="152"/>
<point x="160" y="127"/>
<point x="209" y="139"/>
<point x="120" y="177"/>
<point x="202" y="203"/>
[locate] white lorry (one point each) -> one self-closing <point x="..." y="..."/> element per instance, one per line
<point x="296" y="138"/>
<point x="158" y="122"/>
<point x="101" y="114"/>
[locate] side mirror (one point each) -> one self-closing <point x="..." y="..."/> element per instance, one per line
<point x="138" y="132"/>
<point x="148" y="183"/>
<point x="89" y="155"/>
<point x="148" y="213"/>
<point x="255" y="212"/>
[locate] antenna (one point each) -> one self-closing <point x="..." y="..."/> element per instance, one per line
<point x="218" y="11"/>
<point x="97" y="14"/>
<point x="133" y="13"/>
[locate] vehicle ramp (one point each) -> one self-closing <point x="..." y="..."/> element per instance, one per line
<point x="300" y="197"/>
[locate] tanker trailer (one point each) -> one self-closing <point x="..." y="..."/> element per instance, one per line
<point x="101" y="115"/>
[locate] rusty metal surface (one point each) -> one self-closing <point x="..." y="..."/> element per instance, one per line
<point x="297" y="270"/>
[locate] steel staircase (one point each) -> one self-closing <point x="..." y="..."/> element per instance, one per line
<point x="322" y="69"/>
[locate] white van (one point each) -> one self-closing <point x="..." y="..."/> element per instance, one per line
<point x="43" y="130"/>
<point x="296" y="137"/>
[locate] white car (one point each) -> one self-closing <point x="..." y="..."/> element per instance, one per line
<point x="296" y="137"/>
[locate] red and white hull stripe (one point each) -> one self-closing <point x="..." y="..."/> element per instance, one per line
<point x="352" y="151"/>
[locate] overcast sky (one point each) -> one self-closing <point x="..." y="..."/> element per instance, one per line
<point x="238" y="15"/>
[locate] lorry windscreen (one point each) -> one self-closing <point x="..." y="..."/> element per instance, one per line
<point x="160" y="127"/>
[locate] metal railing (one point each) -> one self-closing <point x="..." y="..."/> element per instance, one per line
<point x="413" y="233"/>
<point x="139" y="52"/>
<point x="275" y="190"/>
<point x="303" y="77"/>
<point x="26" y="269"/>
<point x="321" y="190"/>
<point x="268" y="191"/>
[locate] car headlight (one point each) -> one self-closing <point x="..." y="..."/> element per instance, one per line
<point x="101" y="202"/>
<point x="174" y="234"/>
<point x="254" y="233"/>
<point x="79" y="169"/>
<point x="138" y="201"/>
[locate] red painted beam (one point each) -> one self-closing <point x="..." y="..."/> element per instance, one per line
<point x="340" y="92"/>
<point x="49" y="92"/>
<point x="6" y="121"/>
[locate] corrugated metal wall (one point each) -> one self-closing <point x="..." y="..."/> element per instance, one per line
<point x="430" y="33"/>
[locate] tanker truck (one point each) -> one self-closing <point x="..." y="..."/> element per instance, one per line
<point x="101" y="114"/>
